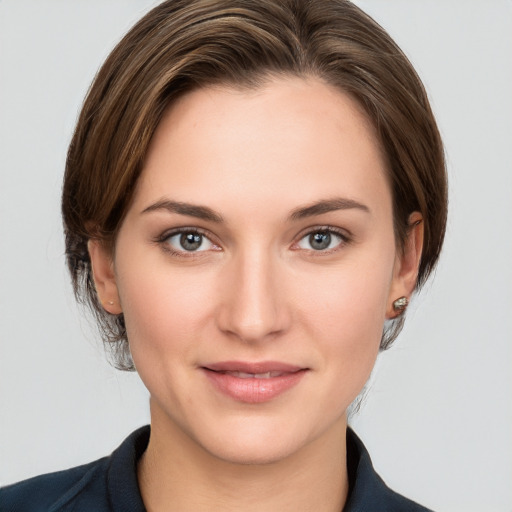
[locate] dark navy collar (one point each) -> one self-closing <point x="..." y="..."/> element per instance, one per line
<point x="367" y="491"/>
<point x="123" y="486"/>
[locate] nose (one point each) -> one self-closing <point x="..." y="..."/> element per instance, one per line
<point x="253" y="306"/>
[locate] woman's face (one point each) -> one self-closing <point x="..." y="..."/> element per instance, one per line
<point x="256" y="266"/>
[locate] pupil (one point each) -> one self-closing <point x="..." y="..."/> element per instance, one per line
<point x="320" y="241"/>
<point x="191" y="241"/>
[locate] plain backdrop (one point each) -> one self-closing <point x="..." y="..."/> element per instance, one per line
<point x="438" y="415"/>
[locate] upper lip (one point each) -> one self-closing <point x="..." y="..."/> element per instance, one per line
<point x="256" y="367"/>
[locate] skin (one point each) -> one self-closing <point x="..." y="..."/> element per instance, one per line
<point x="256" y="290"/>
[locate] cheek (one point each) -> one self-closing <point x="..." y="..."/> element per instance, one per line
<point x="345" y="310"/>
<point x="165" y="314"/>
<point x="163" y="307"/>
<point x="351" y="298"/>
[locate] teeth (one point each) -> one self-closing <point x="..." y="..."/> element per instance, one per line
<point x="244" y="375"/>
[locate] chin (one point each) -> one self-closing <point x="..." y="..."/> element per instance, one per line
<point x="253" y="442"/>
<point x="255" y="453"/>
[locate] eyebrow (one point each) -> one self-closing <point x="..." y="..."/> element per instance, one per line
<point x="191" y="210"/>
<point x="326" y="206"/>
<point x="205" y="213"/>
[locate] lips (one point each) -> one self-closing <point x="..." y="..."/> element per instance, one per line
<point x="245" y="375"/>
<point x="253" y="382"/>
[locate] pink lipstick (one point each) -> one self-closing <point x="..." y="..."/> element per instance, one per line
<point x="253" y="382"/>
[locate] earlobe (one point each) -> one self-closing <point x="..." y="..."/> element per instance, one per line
<point x="406" y="268"/>
<point x="104" y="276"/>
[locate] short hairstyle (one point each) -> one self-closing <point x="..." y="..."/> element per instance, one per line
<point x="182" y="45"/>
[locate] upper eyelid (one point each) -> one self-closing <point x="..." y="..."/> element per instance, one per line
<point x="343" y="233"/>
<point x="162" y="241"/>
<point x="184" y="229"/>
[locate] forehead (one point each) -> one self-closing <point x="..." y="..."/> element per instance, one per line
<point x="291" y="140"/>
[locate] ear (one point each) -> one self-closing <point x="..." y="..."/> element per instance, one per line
<point x="405" y="272"/>
<point x="104" y="276"/>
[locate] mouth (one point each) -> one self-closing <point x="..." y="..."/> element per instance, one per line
<point x="253" y="382"/>
<point x="245" y="375"/>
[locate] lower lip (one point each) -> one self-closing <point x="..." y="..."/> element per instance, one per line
<point x="253" y="390"/>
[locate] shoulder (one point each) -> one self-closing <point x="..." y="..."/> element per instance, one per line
<point x="368" y="492"/>
<point x="104" y="485"/>
<point x="54" y="491"/>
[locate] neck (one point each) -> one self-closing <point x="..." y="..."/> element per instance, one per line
<point x="175" y="473"/>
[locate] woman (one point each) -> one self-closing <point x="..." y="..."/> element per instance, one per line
<point x="253" y="193"/>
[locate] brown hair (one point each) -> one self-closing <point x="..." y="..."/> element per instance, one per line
<point x="184" y="44"/>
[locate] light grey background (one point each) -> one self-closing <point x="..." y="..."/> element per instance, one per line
<point x="438" y="417"/>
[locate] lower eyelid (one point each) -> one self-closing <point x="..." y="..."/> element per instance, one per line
<point x="343" y="238"/>
<point x="178" y="236"/>
<point x="163" y="240"/>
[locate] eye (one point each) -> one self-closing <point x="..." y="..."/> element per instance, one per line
<point x="189" y="241"/>
<point x="321" y="240"/>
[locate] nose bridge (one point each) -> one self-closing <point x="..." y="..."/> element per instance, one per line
<point x="254" y="307"/>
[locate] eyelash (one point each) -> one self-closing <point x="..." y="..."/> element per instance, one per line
<point x="163" y="240"/>
<point x="344" y="237"/>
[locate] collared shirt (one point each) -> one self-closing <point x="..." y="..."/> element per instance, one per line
<point x="110" y="484"/>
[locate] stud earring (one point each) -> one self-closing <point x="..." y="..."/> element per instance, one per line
<point x="111" y="302"/>
<point x="400" y="304"/>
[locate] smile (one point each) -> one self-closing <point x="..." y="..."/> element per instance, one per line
<point x="253" y="382"/>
